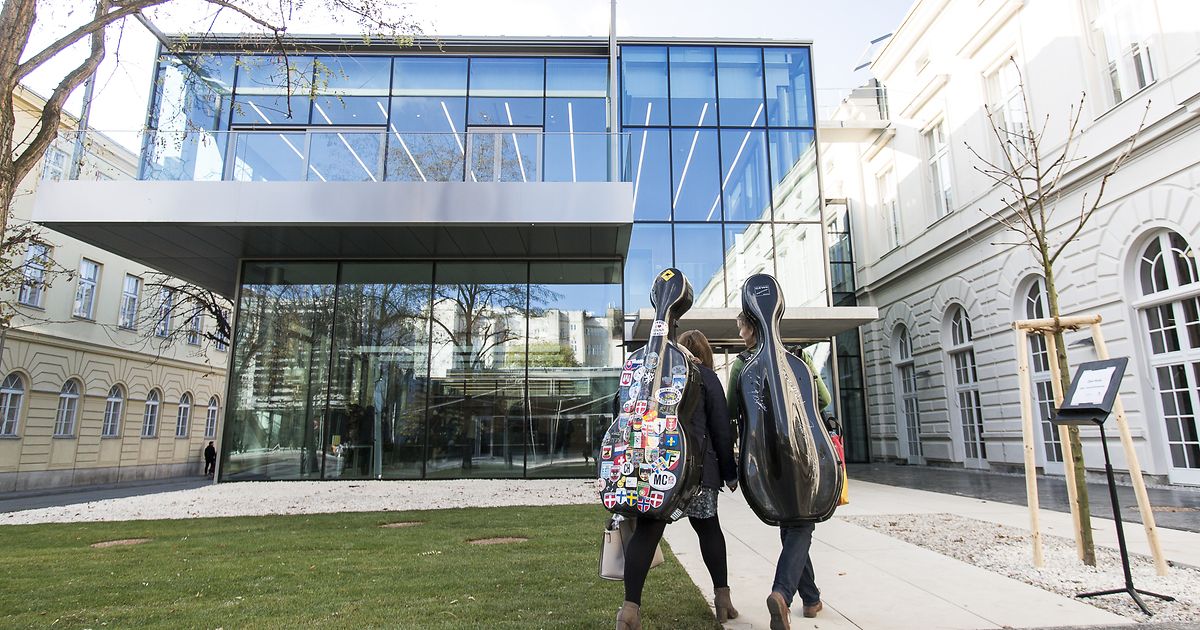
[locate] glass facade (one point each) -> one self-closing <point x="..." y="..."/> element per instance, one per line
<point x="488" y="368"/>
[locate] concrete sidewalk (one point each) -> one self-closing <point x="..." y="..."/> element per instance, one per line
<point x="869" y="580"/>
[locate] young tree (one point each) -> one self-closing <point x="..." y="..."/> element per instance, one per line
<point x="1032" y="172"/>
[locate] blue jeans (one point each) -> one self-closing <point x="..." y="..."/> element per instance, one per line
<point x="794" y="571"/>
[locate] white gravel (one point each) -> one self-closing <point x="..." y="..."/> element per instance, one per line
<point x="257" y="498"/>
<point x="1005" y="550"/>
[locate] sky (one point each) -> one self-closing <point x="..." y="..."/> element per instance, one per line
<point x="840" y="31"/>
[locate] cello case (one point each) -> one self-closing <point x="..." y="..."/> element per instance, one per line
<point x="789" y="468"/>
<point x="650" y="458"/>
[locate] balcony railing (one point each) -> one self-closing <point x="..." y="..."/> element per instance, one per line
<point x="865" y="103"/>
<point x="481" y="155"/>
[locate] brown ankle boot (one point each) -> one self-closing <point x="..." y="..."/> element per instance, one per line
<point x="629" y="617"/>
<point x="724" y="605"/>
<point x="780" y="615"/>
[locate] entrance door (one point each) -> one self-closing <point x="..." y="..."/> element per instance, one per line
<point x="504" y="154"/>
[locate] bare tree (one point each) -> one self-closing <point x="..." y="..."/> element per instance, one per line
<point x="1033" y="174"/>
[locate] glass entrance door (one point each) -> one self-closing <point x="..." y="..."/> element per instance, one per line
<point x="504" y="154"/>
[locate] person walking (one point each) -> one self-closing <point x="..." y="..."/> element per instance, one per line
<point x="794" y="569"/>
<point x="710" y="418"/>
<point x="210" y="460"/>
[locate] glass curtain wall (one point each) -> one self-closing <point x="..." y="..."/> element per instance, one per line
<point x="723" y="158"/>
<point x="412" y="369"/>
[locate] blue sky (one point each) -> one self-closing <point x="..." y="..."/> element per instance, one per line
<point x="839" y="30"/>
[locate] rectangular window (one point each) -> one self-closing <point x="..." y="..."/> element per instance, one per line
<point x="85" y="293"/>
<point x="1006" y="100"/>
<point x="210" y="421"/>
<point x="937" y="147"/>
<point x="1124" y="42"/>
<point x="33" y="287"/>
<point x="130" y="294"/>
<point x="222" y="345"/>
<point x="195" y="328"/>
<point x="166" y="303"/>
<point x="889" y="207"/>
<point x="54" y="167"/>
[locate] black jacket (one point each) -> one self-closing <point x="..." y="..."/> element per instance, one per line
<point x="712" y="418"/>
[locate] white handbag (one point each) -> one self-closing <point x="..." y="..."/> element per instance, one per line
<point x="617" y="534"/>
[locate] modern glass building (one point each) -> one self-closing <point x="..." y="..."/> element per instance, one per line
<point x="440" y="254"/>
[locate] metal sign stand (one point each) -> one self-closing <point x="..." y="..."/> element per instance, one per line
<point x="1090" y="400"/>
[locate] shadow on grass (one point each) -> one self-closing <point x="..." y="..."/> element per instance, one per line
<point x="340" y="570"/>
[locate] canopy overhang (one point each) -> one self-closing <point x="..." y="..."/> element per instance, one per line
<point x="200" y="231"/>
<point x="806" y="323"/>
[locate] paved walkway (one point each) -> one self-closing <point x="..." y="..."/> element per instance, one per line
<point x="1176" y="507"/>
<point x="870" y="580"/>
<point x="33" y="499"/>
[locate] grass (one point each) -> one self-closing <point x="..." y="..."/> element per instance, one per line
<point x="338" y="570"/>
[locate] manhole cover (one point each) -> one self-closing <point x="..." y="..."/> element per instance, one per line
<point x="120" y="543"/>
<point x="402" y="524"/>
<point x="497" y="541"/>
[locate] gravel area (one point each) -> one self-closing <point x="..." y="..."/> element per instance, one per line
<point x="1006" y="550"/>
<point x="257" y="498"/>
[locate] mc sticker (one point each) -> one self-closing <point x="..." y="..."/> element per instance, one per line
<point x="663" y="480"/>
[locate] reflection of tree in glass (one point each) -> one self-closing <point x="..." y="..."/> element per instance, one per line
<point x="485" y="317"/>
<point x="546" y="354"/>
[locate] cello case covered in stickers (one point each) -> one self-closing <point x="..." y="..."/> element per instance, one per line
<point x="651" y="459"/>
<point x="790" y="471"/>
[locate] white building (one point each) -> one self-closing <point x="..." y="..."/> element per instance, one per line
<point x="941" y="364"/>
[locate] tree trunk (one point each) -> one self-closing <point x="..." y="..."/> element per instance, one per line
<point x="1081" y="492"/>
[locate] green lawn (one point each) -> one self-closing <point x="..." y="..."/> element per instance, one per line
<point x="335" y="570"/>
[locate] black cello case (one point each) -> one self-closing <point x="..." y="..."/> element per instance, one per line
<point x="650" y="458"/>
<point x="789" y="469"/>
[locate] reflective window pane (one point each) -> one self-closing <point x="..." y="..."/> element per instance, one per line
<point x="353" y="76"/>
<point x="575" y="140"/>
<point x="275" y="422"/>
<point x="698" y="254"/>
<point x="426" y="76"/>
<point x="800" y="263"/>
<point x="477" y="412"/>
<point x="749" y="249"/>
<point x="693" y="87"/>
<point x="269" y="157"/>
<point x="350" y="110"/>
<point x="649" y="253"/>
<point x="740" y="80"/>
<point x="644" y="85"/>
<point x="379" y="383"/>
<point x="575" y="357"/>
<point x="789" y="87"/>
<point x="193" y="95"/>
<point x="744" y="176"/>
<point x="648" y="161"/>
<point x="794" y="186"/>
<point x="578" y="78"/>
<point x="507" y="77"/>
<point x="345" y="156"/>
<point x="505" y="111"/>
<point x="270" y="109"/>
<point x="273" y="89"/>
<point x="425" y="141"/>
<point x="504" y="156"/>
<point x="695" y="190"/>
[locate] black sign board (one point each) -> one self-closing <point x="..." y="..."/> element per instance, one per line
<point x="1093" y="392"/>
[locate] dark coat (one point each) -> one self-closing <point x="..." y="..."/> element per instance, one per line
<point x="711" y="418"/>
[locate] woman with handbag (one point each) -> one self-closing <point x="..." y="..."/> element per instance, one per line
<point x="712" y="419"/>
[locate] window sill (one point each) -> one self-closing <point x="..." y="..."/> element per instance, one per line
<point x="182" y="437"/>
<point x="1128" y="99"/>
<point x="131" y="329"/>
<point x="83" y="319"/>
<point x="149" y="437"/>
<point x="110" y="437"/>
<point x="36" y="307"/>
<point x="10" y="437"/>
<point x="62" y="437"/>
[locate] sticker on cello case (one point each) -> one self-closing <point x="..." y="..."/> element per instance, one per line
<point x="679" y="382"/>
<point x="658" y="328"/>
<point x="762" y="290"/>
<point x="651" y="360"/>
<point x="644" y="475"/>
<point x="672" y="423"/>
<point x="626" y="378"/>
<point x="656" y="499"/>
<point x="610" y="500"/>
<point x="649" y="441"/>
<point x="670" y="440"/>
<point x="669" y="459"/>
<point x="667" y="274"/>
<point x="640" y="408"/>
<point x="606" y="452"/>
<point x="679" y="370"/>
<point x="663" y="480"/>
<point x="667" y="396"/>
<point x="635" y="389"/>
<point x="627" y="468"/>
<point x="643" y="504"/>
<point x="627" y="406"/>
<point x="631" y="481"/>
<point x="606" y="469"/>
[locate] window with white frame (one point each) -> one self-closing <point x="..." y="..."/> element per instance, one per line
<point x="54" y="167"/>
<point x="195" y="328"/>
<point x="222" y="344"/>
<point x="906" y="376"/>
<point x="68" y="409"/>
<point x="1006" y="101"/>
<point x="131" y="293"/>
<point x="150" y="415"/>
<point x="113" y="406"/>
<point x="937" y="151"/>
<point x="1170" y="307"/>
<point x="1039" y="371"/>
<point x="85" y="293"/>
<point x="886" y="184"/>
<point x="1124" y="39"/>
<point x="966" y="385"/>
<point x="166" y="304"/>
<point x="12" y="394"/>
<point x="33" y="285"/>
<point x="210" y="420"/>
<point x="183" y="416"/>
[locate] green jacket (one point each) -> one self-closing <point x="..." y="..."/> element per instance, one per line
<point x="823" y="397"/>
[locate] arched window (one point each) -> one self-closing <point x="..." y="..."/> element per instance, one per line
<point x="1039" y="370"/>
<point x="908" y="403"/>
<point x="113" y="406"/>
<point x="12" y="393"/>
<point x="961" y="351"/>
<point x="68" y="408"/>
<point x="150" y="416"/>
<point x="183" y="416"/>
<point x="210" y="421"/>
<point x="1170" y="309"/>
